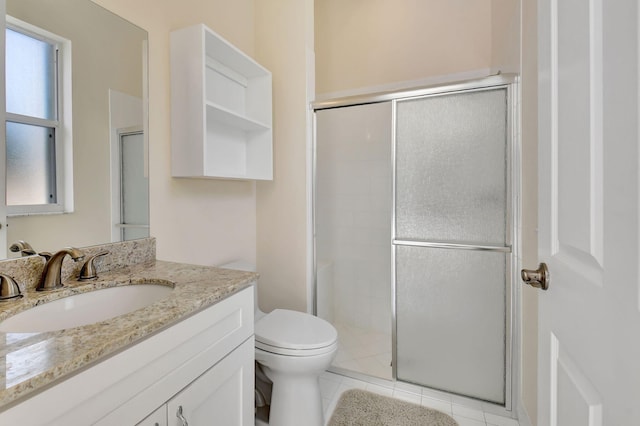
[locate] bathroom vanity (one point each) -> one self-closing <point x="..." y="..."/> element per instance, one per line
<point x="189" y="355"/>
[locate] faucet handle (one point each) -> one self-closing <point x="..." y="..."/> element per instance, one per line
<point x="46" y="254"/>
<point x="88" y="271"/>
<point x="23" y="247"/>
<point x="9" y="288"/>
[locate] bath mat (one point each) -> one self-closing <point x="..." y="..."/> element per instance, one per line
<point x="361" y="408"/>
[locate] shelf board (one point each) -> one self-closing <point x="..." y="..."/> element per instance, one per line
<point x="230" y="176"/>
<point x="224" y="116"/>
<point x="217" y="47"/>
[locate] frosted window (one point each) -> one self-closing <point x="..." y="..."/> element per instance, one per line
<point x="451" y="320"/>
<point x="31" y="76"/>
<point x="451" y="168"/>
<point x="30" y="164"/>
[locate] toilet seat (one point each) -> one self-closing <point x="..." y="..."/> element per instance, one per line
<point x="294" y="333"/>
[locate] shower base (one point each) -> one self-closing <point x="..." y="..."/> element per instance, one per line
<point x="363" y="351"/>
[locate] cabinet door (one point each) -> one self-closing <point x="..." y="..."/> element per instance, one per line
<point x="222" y="396"/>
<point x="157" y="418"/>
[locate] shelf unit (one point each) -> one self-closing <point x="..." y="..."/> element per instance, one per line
<point x="220" y="109"/>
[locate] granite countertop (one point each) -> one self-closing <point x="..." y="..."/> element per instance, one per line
<point x="32" y="361"/>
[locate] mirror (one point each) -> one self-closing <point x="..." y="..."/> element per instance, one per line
<point x="108" y="121"/>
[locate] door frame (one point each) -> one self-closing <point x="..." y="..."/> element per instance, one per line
<point x="117" y="231"/>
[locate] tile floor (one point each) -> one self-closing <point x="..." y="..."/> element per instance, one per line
<point x="467" y="412"/>
<point x="365" y="351"/>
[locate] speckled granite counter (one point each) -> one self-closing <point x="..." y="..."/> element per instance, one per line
<point x="33" y="361"/>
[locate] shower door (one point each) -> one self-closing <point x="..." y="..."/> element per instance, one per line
<point x="452" y="241"/>
<point x="353" y="190"/>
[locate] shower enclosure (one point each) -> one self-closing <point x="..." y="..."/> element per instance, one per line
<point x="415" y="234"/>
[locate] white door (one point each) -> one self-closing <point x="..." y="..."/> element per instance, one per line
<point x="589" y="318"/>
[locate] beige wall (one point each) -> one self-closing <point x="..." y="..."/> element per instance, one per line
<point x="210" y="222"/>
<point x="367" y="43"/>
<point x="284" y="35"/>
<point x="505" y="36"/>
<point x="96" y="69"/>
<point x="200" y="221"/>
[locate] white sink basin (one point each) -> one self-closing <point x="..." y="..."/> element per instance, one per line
<point x="85" y="308"/>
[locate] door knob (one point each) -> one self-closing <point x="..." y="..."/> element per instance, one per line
<point x="538" y="278"/>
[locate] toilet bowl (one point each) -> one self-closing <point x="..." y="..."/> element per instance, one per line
<point x="292" y="349"/>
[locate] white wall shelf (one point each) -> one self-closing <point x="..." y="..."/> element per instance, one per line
<point x="225" y="117"/>
<point x="221" y="114"/>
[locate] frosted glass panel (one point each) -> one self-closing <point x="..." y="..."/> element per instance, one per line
<point x="31" y="77"/>
<point x="451" y="168"/>
<point x="30" y="165"/>
<point x="353" y="223"/>
<point x="451" y="320"/>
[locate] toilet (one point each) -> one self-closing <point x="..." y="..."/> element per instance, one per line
<point x="292" y="349"/>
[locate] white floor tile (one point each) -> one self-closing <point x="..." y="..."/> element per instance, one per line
<point x="331" y="376"/>
<point x="408" y="387"/>
<point x="442" y="396"/>
<point x="496" y="409"/>
<point x="467" y="402"/>
<point x="329" y="410"/>
<point x="470" y="413"/>
<point x="380" y="390"/>
<point x="495" y="420"/>
<point x="325" y="405"/>
<point x="380" y="382"/>
<point x="353" y="383"/>
<point x="464" y="421"/>
<point x="328" y="388"/>
<point x="407" y="396"/>
<point x="342" y="388"/>
<point x="437" y="404"/>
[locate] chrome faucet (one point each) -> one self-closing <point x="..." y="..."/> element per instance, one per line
<point x="51" y="276"/>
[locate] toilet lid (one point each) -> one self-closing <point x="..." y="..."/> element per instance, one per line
<point x="294" y="330"/>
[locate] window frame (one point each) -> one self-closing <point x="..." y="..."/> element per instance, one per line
<point x="62" y="125"/>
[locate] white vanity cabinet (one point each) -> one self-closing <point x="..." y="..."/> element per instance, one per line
<point x="204" y="363"/>
<point x="213" y="397"/>
<point x="221" y="109"/>
<point x="157" y="418"/>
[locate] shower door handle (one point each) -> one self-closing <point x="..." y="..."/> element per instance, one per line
<point x="538" y="278"/>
